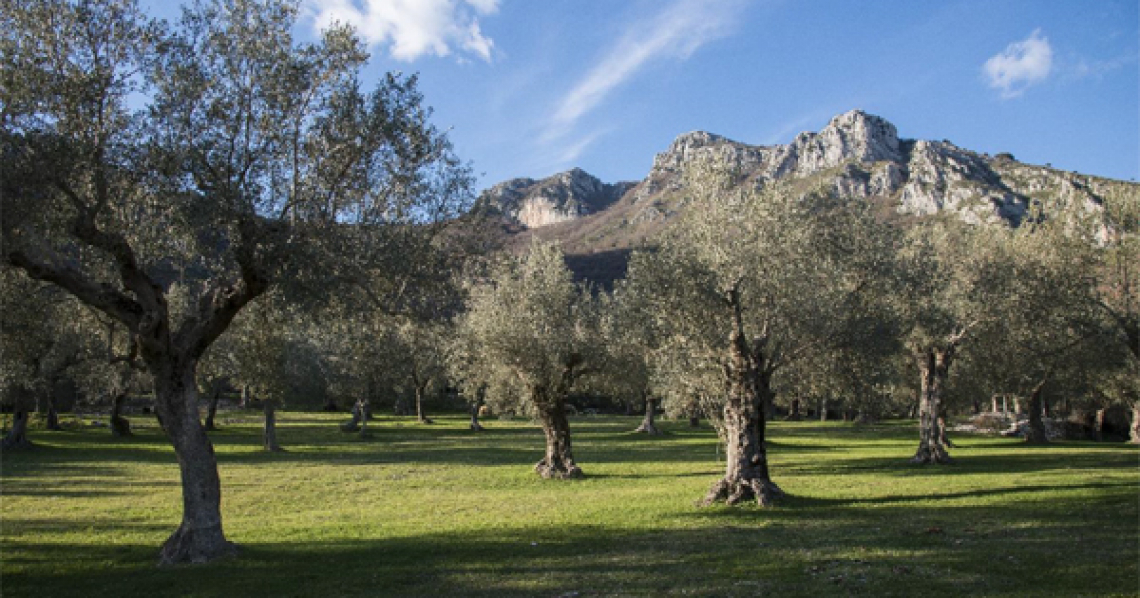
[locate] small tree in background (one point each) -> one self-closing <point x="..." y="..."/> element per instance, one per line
<point x="952" y="278"/>
<point x="528" y="336"/>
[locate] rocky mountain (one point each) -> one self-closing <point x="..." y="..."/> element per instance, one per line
<point x="559" y="198"/>
<point x="857" y="154"/>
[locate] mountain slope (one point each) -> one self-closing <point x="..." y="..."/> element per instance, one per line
<point x="859" y="155"/>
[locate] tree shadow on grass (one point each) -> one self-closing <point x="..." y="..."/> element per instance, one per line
<point x="1017" y="459"/>
<point x="810" y="549"/>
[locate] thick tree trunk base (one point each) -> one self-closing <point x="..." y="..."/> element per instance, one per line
<point x="736" y="491"/>
<point x="1036" y="435"/>
<point x="694" y="422"/>
<point x="931" y="456"/>
<point x="558" y="470"/>
<point x="426" y="420"/>
<point x="648" y="427"/>
<point x="476" y="426"/>
<point x="120" y="426"/>
<point x="17" y="443"/>
<point x="53" y="420"/>
<point x="17" y="437"/>
<point x="187" y="546"/>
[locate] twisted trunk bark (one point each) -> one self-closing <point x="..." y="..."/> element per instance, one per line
<point x="1098" y="424"/>
<point x="52" y="422"/>
<point x="364" y="411"/>
<point x="199" y="537"/>
<point x="558" y="463"/>
<point x="933" y="364"/>
<point x="212" y="410"/>
<point x="269" y="407"/>
<point x="1035" y="433"/>
<point x="420" y="416"/>
<point x="749" y="390"/>
<point x="794" y="415"/>
<point x="1134" y="428"/>
<point x="648" y="425"/>
<point x="746" y="475"/>
<point x="120" y="426"/>
<point x="475" y="425"/>
<point x="17" y="437"/>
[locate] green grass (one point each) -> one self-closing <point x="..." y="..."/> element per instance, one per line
<point x="439" y="510"/>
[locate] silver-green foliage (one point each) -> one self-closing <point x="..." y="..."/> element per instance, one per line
<point x="528" y="334"/>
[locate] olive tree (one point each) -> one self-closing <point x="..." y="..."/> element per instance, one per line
<point x="750" y="282"/>
<point x="952" y="277"/>
<point x="629" y="336"/>
<point x="221" y="145"/>
<point x="528" y="336"/>
<point x="1116" y="291"/>
<point x="39" y="344"/>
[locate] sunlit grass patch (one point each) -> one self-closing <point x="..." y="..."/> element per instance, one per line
<point x="440" y="510"/>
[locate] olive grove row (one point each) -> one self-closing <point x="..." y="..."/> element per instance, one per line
<point x="213" y="202"/>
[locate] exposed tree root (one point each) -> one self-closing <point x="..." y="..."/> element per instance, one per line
<point x="559" y="470"/>
<point x="647" y="427"/>
<point x="733" y="492"/>
<point x="931" y="456"/>
<point x="195" y="546"/>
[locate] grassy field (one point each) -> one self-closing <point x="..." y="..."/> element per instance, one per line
<point x="438" y="510"/>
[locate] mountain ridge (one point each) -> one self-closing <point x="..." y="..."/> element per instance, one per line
<point x="857" y="154"/>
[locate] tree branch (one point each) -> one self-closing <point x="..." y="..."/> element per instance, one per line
<point x="100" y="296"/>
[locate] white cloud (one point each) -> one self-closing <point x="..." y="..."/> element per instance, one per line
<point x="1020" y="65"/>
<point x="412" y="28"/>
<point x="675" y="32"/>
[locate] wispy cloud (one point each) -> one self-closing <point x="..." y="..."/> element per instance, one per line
<point x="410" y="29"/>
<point x="1021" y="65"/>
<point x="1095" y="69"/>
<point x="675" y="32"/>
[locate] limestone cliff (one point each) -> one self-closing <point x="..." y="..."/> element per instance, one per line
<point x="857" y="154"/>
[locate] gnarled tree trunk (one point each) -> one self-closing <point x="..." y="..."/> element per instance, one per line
<point x="746" y="475"/>
<point x="52" y="420"/>
<point x="648" y="425"/>
<point x="794" y="415"/>
<point x="120" y="426"/>
<point x="1035" y="433"/>
<point x="420" y="416"/>
<point x="934" y="365"/>
<point x="749" y="391"/>
<point x="558" y="463"/>
<point x="475" y="425"/>
<point x="212" y="410"/>
<point x="1134" y="428"/>
<point x="269" y="407"/>
<point x="17" y="437"/>
<point x="199" y="538"/>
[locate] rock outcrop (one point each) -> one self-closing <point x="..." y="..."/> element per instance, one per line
<point x="858" y="155"/>
<point x="559" y="198"/>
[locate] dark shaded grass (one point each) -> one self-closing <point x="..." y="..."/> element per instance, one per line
<point x="437" y="510"/>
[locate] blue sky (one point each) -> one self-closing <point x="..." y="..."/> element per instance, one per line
<point x="534" y="87"/>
